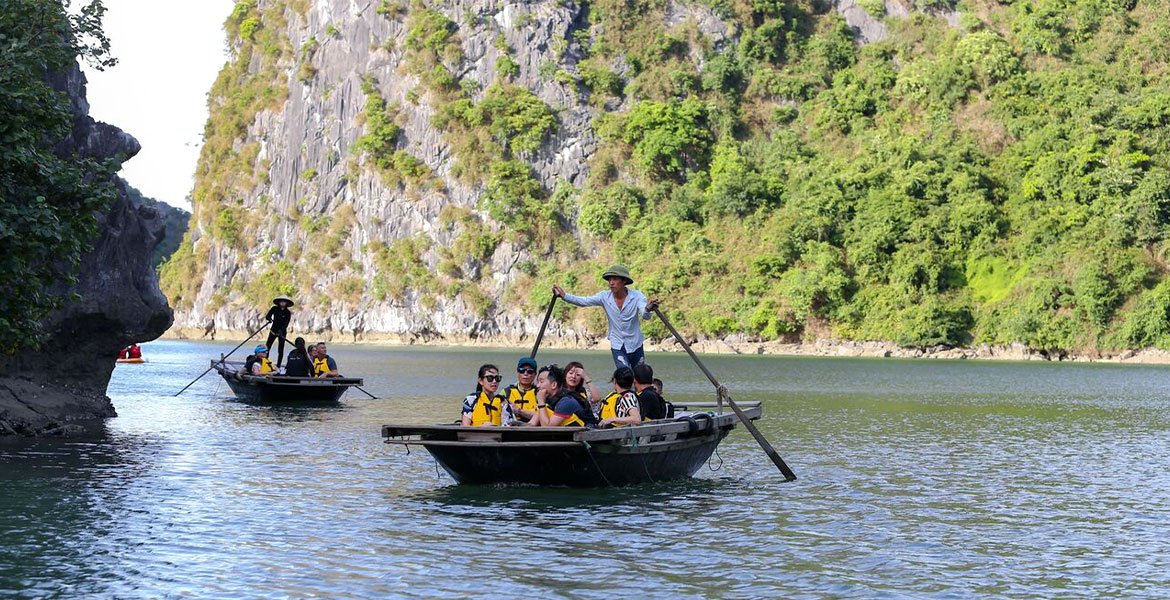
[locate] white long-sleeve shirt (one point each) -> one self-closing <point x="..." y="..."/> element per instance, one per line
<point x="625" y="324"/>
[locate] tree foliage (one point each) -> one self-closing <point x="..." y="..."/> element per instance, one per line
<point x="48" y="199"/>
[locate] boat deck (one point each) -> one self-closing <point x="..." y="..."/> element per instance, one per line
<point x="445" y="435"/>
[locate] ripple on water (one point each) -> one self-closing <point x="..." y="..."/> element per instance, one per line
<point x="940" y="480"/>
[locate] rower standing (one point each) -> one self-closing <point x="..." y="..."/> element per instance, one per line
<point x="279" y="316"/>
<point x="625" y="309"/>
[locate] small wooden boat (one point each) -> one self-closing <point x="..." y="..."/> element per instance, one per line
<point x="282" y="388"/>
<point x="131" y="361"/>
<point x="576" y="456"/>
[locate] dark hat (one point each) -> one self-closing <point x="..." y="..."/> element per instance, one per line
<point x="618" y="271"/>
<point x="527" y="360"/>
<point x="285" y="298"/>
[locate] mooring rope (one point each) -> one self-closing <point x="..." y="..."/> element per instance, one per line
<point x="589" y="451"/>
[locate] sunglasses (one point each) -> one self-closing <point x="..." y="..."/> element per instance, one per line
<point x="526" y="370"/>
<point x="495" y="378"/>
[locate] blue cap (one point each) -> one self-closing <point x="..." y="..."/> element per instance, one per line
<point x="527" y="360"/>
<point x="259" y="349"/>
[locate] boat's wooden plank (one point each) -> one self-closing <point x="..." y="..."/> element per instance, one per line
<point x="483" y="444"/>
<point x="661" y="427"/>
<point x="492" y="435"/>
<point x="566" y="432"/>
<point x="709" y="406"/>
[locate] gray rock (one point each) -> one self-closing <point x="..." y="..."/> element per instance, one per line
<point x="49" y="390"/>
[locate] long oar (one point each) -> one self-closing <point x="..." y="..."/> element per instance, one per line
<point x="356" y="386"/>
<point x="722" y="391"/>
<point x="540" y="335"/>
<point x="223" y="358"/>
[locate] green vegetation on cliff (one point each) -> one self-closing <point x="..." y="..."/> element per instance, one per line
<point x="48" y="201"/>
<point x="1003" y="181"/>
<point x="1000" y="180"/>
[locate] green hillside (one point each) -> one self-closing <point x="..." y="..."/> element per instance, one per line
<point x="1001" y="181"/>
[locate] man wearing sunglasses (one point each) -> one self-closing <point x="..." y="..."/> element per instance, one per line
<point x="521" y="396"/>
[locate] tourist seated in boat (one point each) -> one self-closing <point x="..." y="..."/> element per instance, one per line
<point x="657" y="383"/>
<point x="323" y="364"/>
<point x="649" y="402"/>
<point x="564" y="407"/>
<point x="625" y="309"/>
<point x="621" y="406"/>
<point x="520" y="397"/>
<point x="299" y="363"/>
<point x="257" y="363"/>
<point x="483" y="406"/>
<point x="579" y="381"/>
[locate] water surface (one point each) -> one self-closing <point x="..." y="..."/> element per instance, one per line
<point x="918" y="479"/>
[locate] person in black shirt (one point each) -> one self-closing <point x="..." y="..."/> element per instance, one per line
<point x="279" y="315"/>
<point x="650" y="403"/>
<point x="299" y="364"/>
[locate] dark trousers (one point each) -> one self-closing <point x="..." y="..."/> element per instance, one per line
<point x="625" y="358"/>
<point x="272" y="336"/>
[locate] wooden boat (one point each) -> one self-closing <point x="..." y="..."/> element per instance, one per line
<point x="281" y="388"/>
<point x="131" y="361"/>
<point x="576" y="456"/>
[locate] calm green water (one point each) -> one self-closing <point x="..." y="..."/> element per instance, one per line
<point x="918" y="479"/>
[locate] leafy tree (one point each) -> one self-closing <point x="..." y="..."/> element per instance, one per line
<point x="48" y="198"/>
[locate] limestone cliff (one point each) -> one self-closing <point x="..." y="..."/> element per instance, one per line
<point x="116" y="301"/>
<point x="424" y="171"/>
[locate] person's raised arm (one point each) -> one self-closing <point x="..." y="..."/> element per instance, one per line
<point x="539" y="416"/>
<point x="647" y="307"/>
<point x="588" y="386"/>
<point x="594" y="300"/>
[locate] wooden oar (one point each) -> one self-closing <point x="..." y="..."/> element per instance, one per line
<point x="722" y="392"/>
<point x="540" y="335"/>
<point x="221" y="359"/>
<point x="295" y="347"/>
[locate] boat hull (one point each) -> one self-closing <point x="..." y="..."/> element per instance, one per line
<point x="574" y="456"/>
<point x="270" y="392"/>
<point x="600" y="466"/>
<point x="283" y="389"/>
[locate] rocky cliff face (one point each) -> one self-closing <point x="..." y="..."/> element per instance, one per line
<point x="405" y="245"/>
<point x="117" y="302"/>
<point x="311" y="174"/>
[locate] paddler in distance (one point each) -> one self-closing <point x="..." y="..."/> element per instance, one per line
<point x="625" y="309"/>
<point x="279" y="316"/>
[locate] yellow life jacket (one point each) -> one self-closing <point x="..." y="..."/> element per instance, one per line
<point x="572" y="420"/>
<point x="266" y="365"/>
<point x="486" y="411"/>
<point x="320" y="366"/>
<point x="525" y="400"/>
<point x="609" y="407"/>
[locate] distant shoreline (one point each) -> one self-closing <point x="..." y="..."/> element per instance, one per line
<point x="819" y="347"/>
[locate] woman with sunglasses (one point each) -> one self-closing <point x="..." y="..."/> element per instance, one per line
<point x="482" y="407"/>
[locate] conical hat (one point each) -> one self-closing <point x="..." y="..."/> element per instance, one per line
<point x="285" y="298"/>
